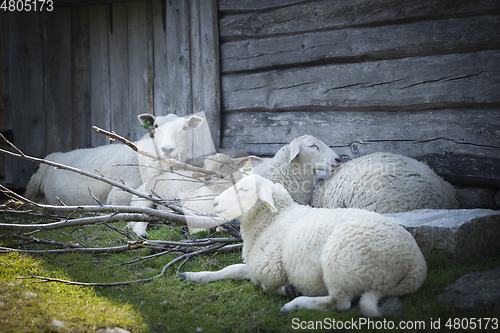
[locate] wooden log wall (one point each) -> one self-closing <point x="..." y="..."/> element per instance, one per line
<point x="415" y="77"/>
<point x="82" y="65"/>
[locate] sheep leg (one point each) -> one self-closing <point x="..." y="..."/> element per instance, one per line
<point x="140" y="228"/>
<point x="315" y="303"/>
<point x="235" y="272"/>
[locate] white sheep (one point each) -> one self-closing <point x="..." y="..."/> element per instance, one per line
<point x="385" y="183"/>
<point x="330" y="256"/>
<point x="193" y="191"/>
<point x="294" y="166"/>
<point x="116" y="162"/>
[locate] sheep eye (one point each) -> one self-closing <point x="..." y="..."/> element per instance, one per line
<point x="314" y="145"/>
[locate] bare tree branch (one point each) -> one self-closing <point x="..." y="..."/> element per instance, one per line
<point x="67" y="216"/>
<point x="183" y="166"/>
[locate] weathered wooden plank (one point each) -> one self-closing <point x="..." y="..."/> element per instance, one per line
<point x="24" y="105"/>
<point x="401" y="84"/>
<point x="4" y="73"/>
<point x="85" y="2"/>
<point x="386" y="42"/>
<point x="179" y="100"/>
<point x="310" y="16"/>
<point x="141" y="65"/>
<point x="80" y="79"/>
<point x="205" y="71"/>
<point x="119" y="70"/>
<point x="424" y="135"/>
<point x="229" y="6"/>
<point x="160" y="92"/>
<point x="99" y="72"/>
<point x="56" y="31"/>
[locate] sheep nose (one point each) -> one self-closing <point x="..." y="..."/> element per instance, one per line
<point x="167" y="151"/>
<point x="337" y="159"/>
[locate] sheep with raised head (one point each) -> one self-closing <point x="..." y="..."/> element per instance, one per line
<point x="330" y="256"/>
<point x="385" y="183"/>
<point x="116" y="162"/>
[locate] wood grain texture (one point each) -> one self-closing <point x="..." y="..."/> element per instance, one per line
<point x="99" y="72"/>
<point x="56" y="31"/>
<point x="328" y="15"/>
<point x="360" y="44"/>
<point x="205" y="64"/>
<point x="119" y="70"/>
<point x="400" y="84"/>
<point x="22" y="53"/>
<point x="179" y="100"/>
<point x="433" y="135"/>
<point x="80" y="79"/>
<point x="141" y="62"/>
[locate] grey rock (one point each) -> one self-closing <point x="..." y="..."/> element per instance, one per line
<point x="477" y="197"/>
<point x="474" y="289"/>
<point x="58" y="323"/>
<point x="464" y="234"/>
<point x="113" y="330"/>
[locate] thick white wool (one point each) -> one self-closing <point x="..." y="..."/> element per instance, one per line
<point x="330" y="256"/>
<point x="385" y="183"/>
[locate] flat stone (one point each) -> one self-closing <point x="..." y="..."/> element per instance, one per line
<point x="465" y="234"/>
<point x="474" y="289"/>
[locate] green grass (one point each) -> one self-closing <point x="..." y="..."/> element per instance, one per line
<point x="170" y="305"/>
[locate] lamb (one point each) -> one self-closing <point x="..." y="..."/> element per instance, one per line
<point x="385" y="183"/>
<point x="116" y="162"/>
<point x="294" y="166"/>
<point x="330" y="256"/>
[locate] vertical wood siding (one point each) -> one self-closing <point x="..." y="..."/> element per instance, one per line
<point x="75" y="67"/>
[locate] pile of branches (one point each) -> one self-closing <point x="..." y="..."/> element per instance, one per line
<point x="63" y="216"/>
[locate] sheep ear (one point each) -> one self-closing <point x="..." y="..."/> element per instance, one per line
<point x="247" y="161"/>
<point x="294" y="149"/>
<point x="193" y="122"/>
<point x="266" y="195"/>
<point x="145" y="117"/>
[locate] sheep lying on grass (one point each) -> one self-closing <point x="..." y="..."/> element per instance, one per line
<point x="330" y="256"/>
<point x="116" y="162"/>
<point x="294" y="166"/>
<point x="385" y="183"/>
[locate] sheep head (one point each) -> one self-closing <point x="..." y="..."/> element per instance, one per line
<point x="312" y="152"/>
<point x="171" y="133"/>
<point x="242" y="196"/>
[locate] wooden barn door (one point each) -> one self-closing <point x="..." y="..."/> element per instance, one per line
<point x="81" y="65"/>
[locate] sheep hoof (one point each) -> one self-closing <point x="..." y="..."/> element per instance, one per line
<point x="284" y="312"/>
<point x="291" y="291"/>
